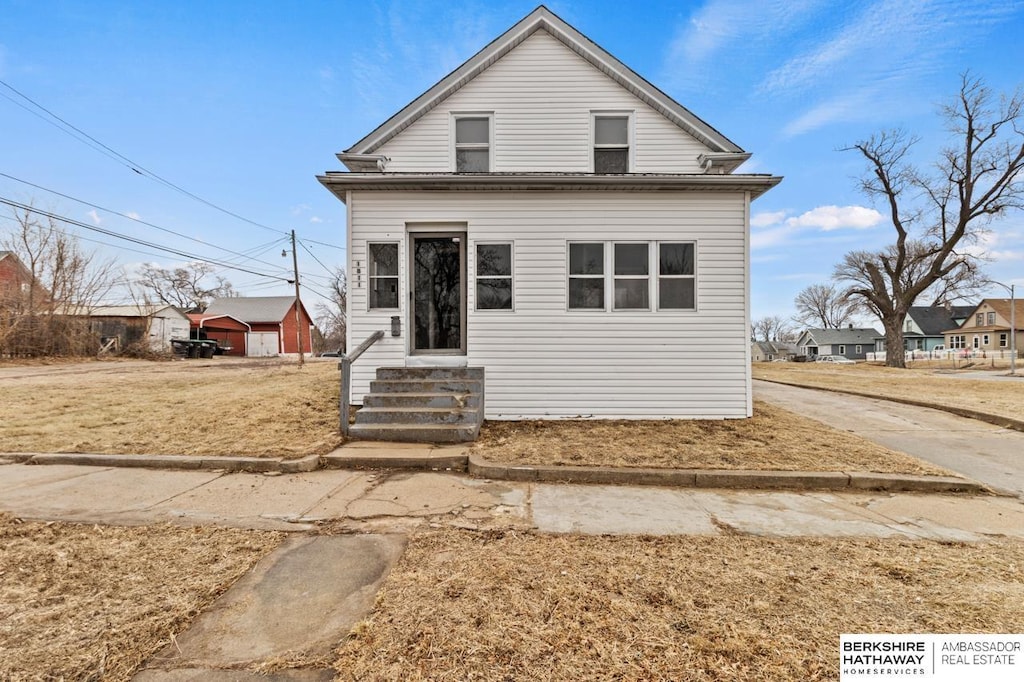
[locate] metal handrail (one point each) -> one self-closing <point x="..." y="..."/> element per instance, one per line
<point x="345" y="366"/>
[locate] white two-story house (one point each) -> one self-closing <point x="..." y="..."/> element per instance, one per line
<point x="546" y="214"/>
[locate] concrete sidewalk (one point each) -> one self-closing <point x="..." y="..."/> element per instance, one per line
<point x="303" y="598"/>
<point x="396" y="501"/>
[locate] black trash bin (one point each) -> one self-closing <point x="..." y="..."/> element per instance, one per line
<point x="207" y="350"/>
<point x="193" y="350"/>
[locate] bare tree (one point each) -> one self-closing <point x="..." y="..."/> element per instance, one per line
<point x="331" y="317"/>
<point x="46" y="316"/>
<point x="771" y="328"/>
<point x="824" y="306"/>
<point x="937" y="215"/>
<point x="189" y="287"/>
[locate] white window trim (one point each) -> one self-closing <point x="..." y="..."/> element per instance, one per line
<point x="603" y="276"/>
<point x="1004" y="340"/>
<point x="630" y="136"/>
<point x="658" y="275"/>
<point x="512" y="276"/>
<point x="489" y="115"/>
<point x="985" y="340"/>
<point x="842" y="349"/>
<point x="370" y="277"/>
<point x="858" y="349"/>
<point x="653" y="276"/>
<point x="614" y="277"/>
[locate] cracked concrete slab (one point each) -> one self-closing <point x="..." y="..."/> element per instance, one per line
<point x="303" y="597"/>
<point x="98" y="491"/>
<point x="422" y="495"/>
<point x="954" y="518"/>
<point x="285" y="497"/>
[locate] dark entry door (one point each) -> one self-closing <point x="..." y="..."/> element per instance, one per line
<point x="438" y="293"/>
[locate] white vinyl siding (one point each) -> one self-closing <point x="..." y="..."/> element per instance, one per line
<point x="543" y="361"/>
<point x="542" y="95"/>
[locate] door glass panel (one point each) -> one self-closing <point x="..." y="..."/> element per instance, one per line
<point x="437" y="297"/>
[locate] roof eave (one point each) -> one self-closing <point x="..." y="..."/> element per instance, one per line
<point x="340" y="182"/>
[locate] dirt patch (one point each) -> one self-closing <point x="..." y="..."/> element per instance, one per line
<point x="84" y="602"/>
<point x="503" y="606"/>
<point x="773" y="439"/>
<point x="218" y="407"/>
<point x="933" y="384"/>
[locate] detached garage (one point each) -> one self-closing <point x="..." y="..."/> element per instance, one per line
<point x="229" y="333"/>
<point x="271" y="321"/>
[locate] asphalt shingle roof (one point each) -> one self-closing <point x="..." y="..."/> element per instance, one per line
<point x="933" y="320"/>
<point x="252" y="308"/>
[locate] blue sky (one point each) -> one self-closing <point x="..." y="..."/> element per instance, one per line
<point x="243" y="103"/>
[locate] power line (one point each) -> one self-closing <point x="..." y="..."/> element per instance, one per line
<point x="151" y="245"/>
<point x="137" y="220"/>
<point x="124" y="160"/>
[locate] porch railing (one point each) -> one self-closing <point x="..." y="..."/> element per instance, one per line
<point x="345" y="365"/>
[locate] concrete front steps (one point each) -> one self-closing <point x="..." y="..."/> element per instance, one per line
<point x="422" y="405"/>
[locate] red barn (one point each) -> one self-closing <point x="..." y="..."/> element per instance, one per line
<point x="273" y="327"/>
<point x="230" y="334"/>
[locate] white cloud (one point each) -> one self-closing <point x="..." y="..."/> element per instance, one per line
<point x="316" y="219"/>
<point x="766" y="218"/>
<point x="95" y="216"/>
<point x="133" y="215"/>
<point x="782" y="230"/>
<point x="829" y="218"/>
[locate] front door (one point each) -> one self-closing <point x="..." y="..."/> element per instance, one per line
<point x="438" y="293"/>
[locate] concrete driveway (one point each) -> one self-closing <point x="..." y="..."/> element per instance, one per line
<point x="986" y="453"/>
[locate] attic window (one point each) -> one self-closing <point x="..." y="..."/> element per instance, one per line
<point x="611" y="143"/>
<point x="472" y="144"/>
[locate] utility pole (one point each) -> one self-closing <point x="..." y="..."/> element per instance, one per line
<point x="298" y="322"/>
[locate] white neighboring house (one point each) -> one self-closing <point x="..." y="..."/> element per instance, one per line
<point x="547" y="214"/>
<point x="130" y="324"/>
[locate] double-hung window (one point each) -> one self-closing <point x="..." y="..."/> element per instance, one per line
<point x="494" y="276"/>
<point x="586" y="276"/>
<point x="632" y="279"/>
<point x="472" y="143"/>
<point x="383" y="276"/>
<point x="676" y="276"/>
<point x="611" y="142"/>
<point x="1002" y="340"/>
<point x="991" y="318"/>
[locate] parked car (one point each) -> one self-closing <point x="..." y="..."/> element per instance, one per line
<point x="837" y="359"/>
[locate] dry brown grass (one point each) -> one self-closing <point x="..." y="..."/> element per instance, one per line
<point x="504" y="606"/>
<point x="773" y="439"/>
<point x="930" y="382"/>
<point x="218" y="407"/>
<point x="93" y="602"/>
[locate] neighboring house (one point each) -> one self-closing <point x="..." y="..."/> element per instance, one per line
<point x="230" y="334"/>
<point x="768" y="351"/>
<point x="121" y="326"/>
<point x="925" y="325"/>
<point x="546" y="214"/>
<point x="850" y="342"/>
<point x="987" y="327"/>
<point x="271" y="320"/>
<point x="16" y="283"/>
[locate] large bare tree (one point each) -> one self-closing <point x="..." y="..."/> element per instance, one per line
<point x="825" y="306"/>
<point x="938" y="214"/>
<point x="191" y="287"/>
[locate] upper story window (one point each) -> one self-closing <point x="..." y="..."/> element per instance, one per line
<point x="611" y="143"/>
<point x="991" y="318"/>
<point x="979" y="320"/>
<point x="472" y="143"/>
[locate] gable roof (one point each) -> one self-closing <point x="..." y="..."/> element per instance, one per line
<point x="252" y="308"/>
<point x="1001" y="306"/>
<point x="933" y="320"/>
<point x="831" y="337"/>
<point x="543" y="19"/>
<point x="134" y="311"/>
